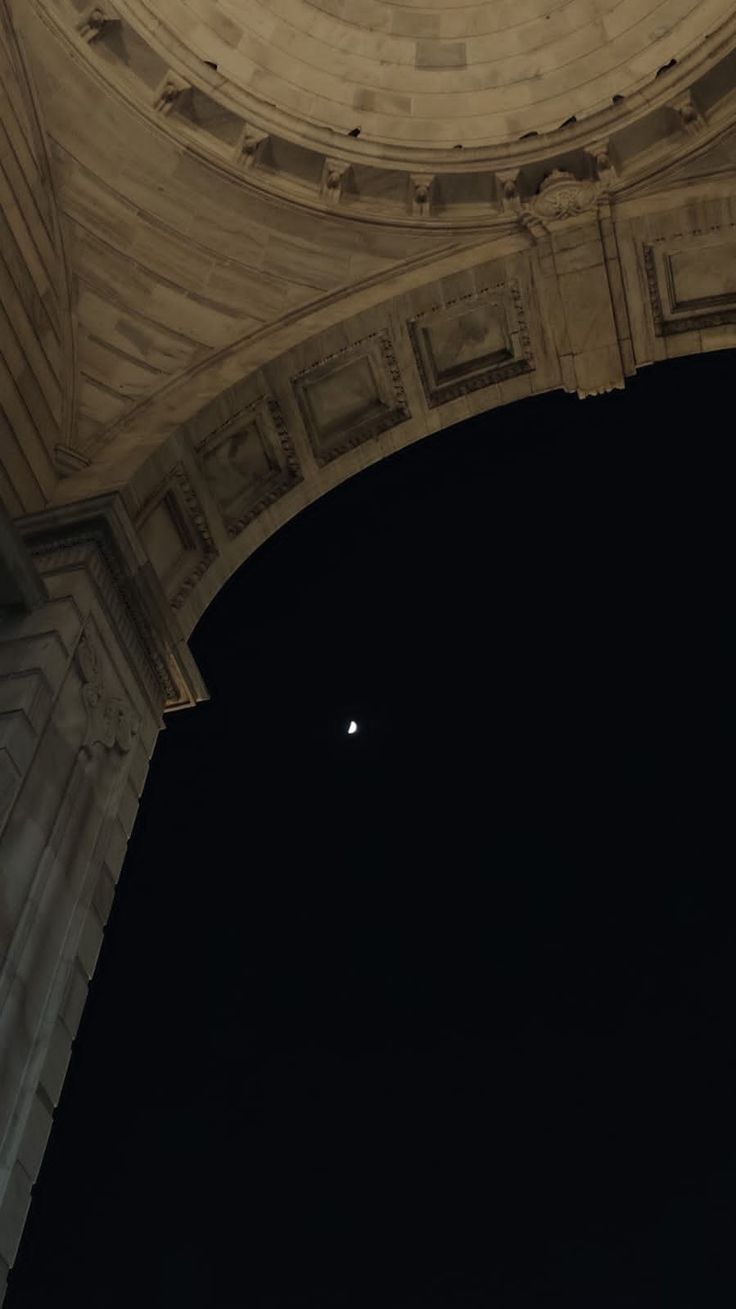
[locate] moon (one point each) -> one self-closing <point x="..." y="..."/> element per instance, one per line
<point x="352" y="727"/>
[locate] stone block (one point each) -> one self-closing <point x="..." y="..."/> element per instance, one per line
<point x="90" y="942"/>
<point x="75" y="998"/>
<point x="56" y="1063"/>
<point x="35" y="1136"/>
<point x="104" y="894"/>
<point x="13" y="1211"/>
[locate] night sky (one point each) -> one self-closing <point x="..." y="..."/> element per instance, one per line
<point x="439" y="1015"/>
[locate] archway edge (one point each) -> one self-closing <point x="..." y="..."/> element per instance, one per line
<point x="575" y="295"/>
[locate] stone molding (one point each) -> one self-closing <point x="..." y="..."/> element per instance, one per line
<point x="98" y="536"/>
<point x="669" y="110"/>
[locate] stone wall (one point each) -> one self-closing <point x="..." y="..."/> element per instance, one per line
<point x="34" y="322"/>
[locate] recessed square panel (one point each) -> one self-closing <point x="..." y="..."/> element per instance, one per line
<point x="351" y="396"/>
<point x="467" y="338"/>
<point x="470" y="343"/>
<point x="707" y="274"/>
<point x="692" y="282"/>
<point x="249" y="462"/>
<point x="166" y="538"/>
<point x="342" y="399"/>
<point x="175" y="532"/>
<point x="240" y="460"/>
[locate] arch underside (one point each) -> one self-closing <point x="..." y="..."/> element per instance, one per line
<point x="256" y="317"/>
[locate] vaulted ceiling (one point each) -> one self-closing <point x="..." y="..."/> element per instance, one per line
<point x="336" y="225"/>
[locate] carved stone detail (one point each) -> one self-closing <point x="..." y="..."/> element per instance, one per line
<point x="334" y="173"/>
<point x="562" y="195"/>
<point x="687" y="109"/>
<point x="111" y="721"/>
<point x="601" y="155"/>
<point x="250" y="147"/>
<point x="171" y="90"/>
<point x="509" y="186"/>
<point x="421" y="194"/>
<point x="413" y="199"/>
<point x="93" y="25"/>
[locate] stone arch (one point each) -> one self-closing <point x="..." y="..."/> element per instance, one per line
<point x="513" y="318"/>
<point x="253" y="306"/>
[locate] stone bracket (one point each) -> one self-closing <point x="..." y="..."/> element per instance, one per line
<point x="334" y="173"/>
<point x="169" y="92"/>
<point x="421" y="194"/>
<point x="94" y="23"/>
<point x="250" y="147"/>
<point x="688" y="111"/>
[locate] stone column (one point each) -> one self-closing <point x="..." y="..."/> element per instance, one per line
<point x="90" y="658"/>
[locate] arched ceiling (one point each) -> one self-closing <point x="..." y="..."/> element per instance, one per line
<point x="263" y="303"/>
<point x="434" y="73"/>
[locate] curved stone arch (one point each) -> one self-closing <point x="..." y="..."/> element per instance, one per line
<point x="491" y="331"/>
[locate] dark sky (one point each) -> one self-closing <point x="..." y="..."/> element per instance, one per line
<point x="440" y="1015"/>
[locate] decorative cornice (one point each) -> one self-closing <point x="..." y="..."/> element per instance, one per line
<point x="626" y="161"/>
<point x="98" y="537"/>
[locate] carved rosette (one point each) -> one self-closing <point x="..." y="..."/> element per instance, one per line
<point x="110" y="720"/>
<point x="562" y="195"/>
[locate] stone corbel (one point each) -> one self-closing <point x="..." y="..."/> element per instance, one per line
<point x="250" y="147"/>
<point x="602" y="162"/>
<point x="334" y="172"/>
<point x="509" y="185"/>
<point x="169" y="92"/>
<point x="93" y="24"/>
<point x="421" y="194"/>
<point x="688" y="113"/>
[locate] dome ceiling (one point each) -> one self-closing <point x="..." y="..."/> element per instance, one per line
<point x="415" y="74"/>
